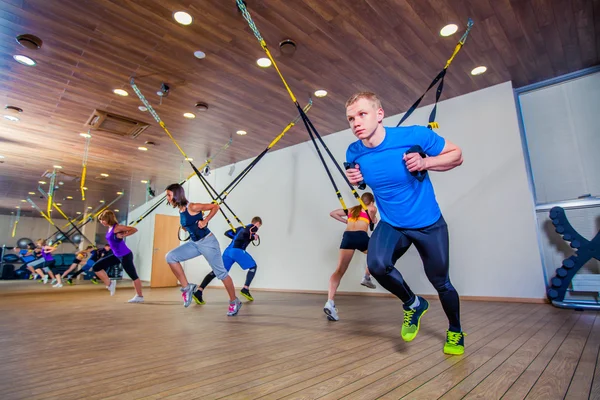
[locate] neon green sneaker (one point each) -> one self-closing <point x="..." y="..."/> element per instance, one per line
<point x="455" y="343"/>
<point x="197" y="296"/>
<point x="246" y="294"/>
<point x="412" y="320"/>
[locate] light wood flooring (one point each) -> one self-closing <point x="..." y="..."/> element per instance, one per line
<point x="80" y="343"/>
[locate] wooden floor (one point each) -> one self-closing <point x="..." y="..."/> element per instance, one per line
<point x="84" y="344"/>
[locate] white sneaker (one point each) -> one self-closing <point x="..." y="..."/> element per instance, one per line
<point x="368" y="283"/>
<point x="58" y="285"/>
<point x="112" y="287"/>
<point x="53" y="281"/>
<point x="136" y="299"/>
<point x="331" y="311"/>
<point x="45" y="279"/>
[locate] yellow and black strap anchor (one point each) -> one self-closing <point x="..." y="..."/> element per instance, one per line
<point x="439" y="78"/>
<point x="307" y="123"/>
<point x="163" y="126"/>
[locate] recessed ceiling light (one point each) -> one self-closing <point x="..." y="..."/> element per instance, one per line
<point x="31" y="193"/>
<point x="102" y="201"/>
<point x="119" y="192"/>
<point x="183" y="18"/>
<point x="241" y="133"/>
<point x="89" y="208"/>
<point x="321" y="93"/>
<point x="85" y="135"/>
<point x="1" y="156"/>
<point x="189" y="115"/>
<point x="199" y="54"/>
<point x="142" y="108"/>
<point x="24" y="60"/>
<point x="20" y="207"/>
<point x="263" y="62"/>
<point x="59" y="204"/>
<point x="84" y="188"/>
<point x="23" y="201"/>
<point x="120" y="92"/>
<point x="69" y="197"/>
<point x="142" y="148"/>
<point x="116" y="210"/>
<point x="144" y="181"/>
<point x="42" y="182"/>
<point x="104" y="175"/>
<point x="479" y="70"/>
<point x="57" y="166"/>
<point x="11" y="118"/>
<point x="189" y="159"/>
<point x="78" y="213"/>
<point x="449" y="29"/>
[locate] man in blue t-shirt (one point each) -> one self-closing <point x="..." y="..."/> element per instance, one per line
<point x="408" y="208"/>
<point x="236" y="253"/>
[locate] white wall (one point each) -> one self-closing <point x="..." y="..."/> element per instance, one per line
<point x="486" y="202"/>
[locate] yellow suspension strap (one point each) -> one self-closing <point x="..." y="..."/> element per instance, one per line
<point x="84" y="164"/>
<point x="51" y="192"/>
<point x="47" y="218"/>
<point x="439" y="78"/>
<point x="161" y="201"/>
<point x="163" y="126"/>
<point x="70" y="222"/>
<point x="163" y="198"/>
<point x="249" y="167"/>
<point x="87" y="217"/>
<point x="73" y="224"/>
<point x="14" y="230"/>
<point x="307" y="123"/>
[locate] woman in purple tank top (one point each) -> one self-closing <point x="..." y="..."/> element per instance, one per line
<point x="45" y="269"/>
<point x="120" y="253"/>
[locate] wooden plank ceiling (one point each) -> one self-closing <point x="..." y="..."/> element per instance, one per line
<point x="392" y="47"/>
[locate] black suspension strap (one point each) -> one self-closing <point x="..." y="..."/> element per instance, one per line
<point x="439" y="78"/>
<point x="308" y="124"/>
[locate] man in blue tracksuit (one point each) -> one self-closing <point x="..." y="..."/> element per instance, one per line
<point x="236" y="253"/>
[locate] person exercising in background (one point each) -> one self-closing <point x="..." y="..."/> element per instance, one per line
<point x="79" y="257"/>
<point x="94" y="255"/>
<point x="236" y="253"/>
<point x="355" y="238"/>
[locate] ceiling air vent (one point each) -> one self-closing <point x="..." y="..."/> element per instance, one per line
<point x="120" y="125"/>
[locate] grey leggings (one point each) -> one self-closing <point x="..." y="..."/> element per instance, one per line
<point x="208" y="247"/>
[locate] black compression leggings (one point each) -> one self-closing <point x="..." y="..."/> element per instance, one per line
<point x="388" y="244"/>
<point x="126" y="262"/>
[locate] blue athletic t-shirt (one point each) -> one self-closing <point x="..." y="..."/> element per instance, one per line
<point x="402" y="200"/>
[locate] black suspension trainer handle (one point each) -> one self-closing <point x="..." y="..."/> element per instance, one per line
<point x="361" y="185"/>
<point x="420" y="175"/>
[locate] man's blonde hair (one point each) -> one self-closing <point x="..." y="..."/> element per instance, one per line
<point x="372" y="97"/>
